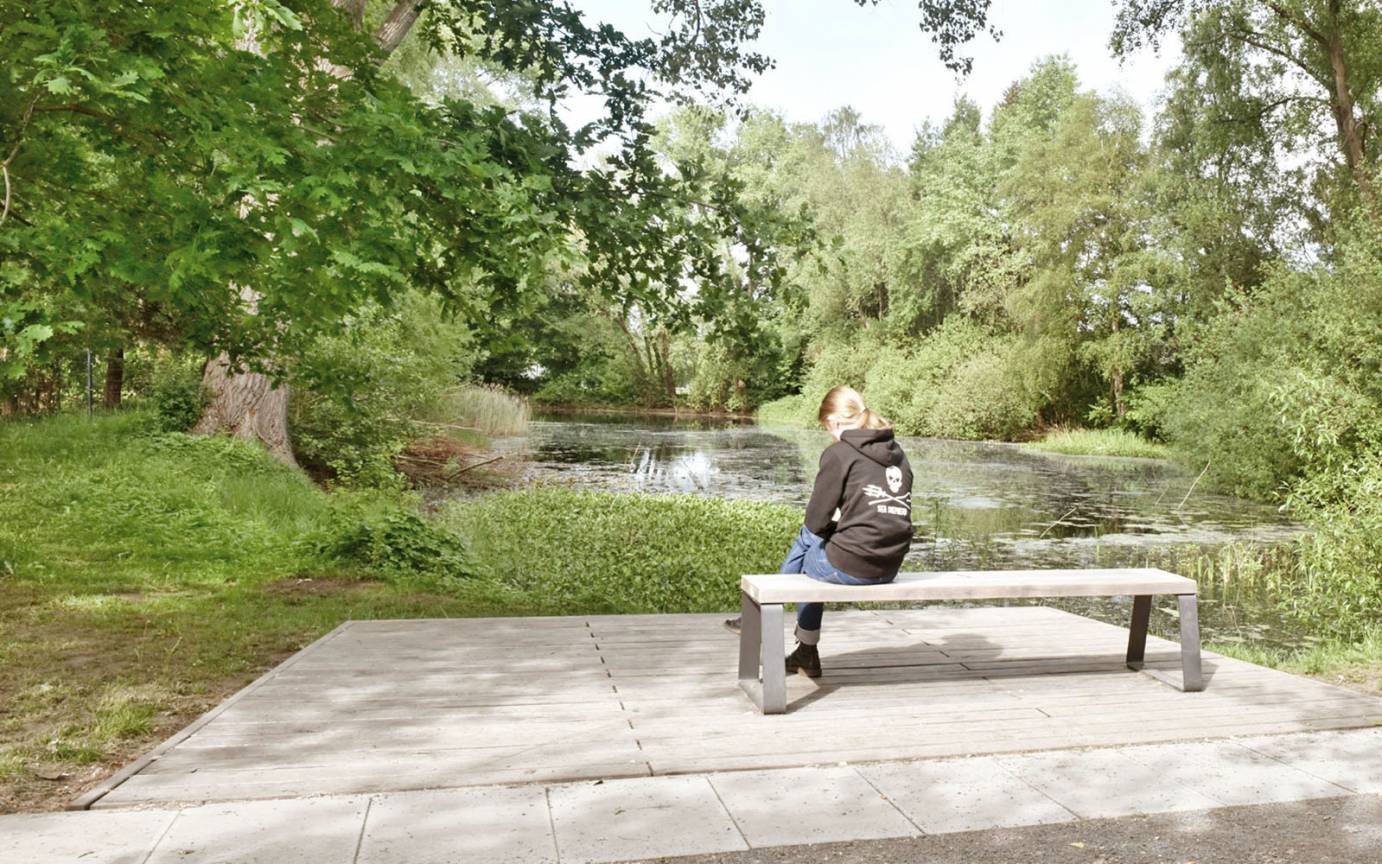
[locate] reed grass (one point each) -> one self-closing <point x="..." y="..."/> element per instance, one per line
<point x="483" y="408"/>
<point x="1100" y="442"/>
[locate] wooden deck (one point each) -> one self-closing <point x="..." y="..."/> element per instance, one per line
<point x="395" y="705"/>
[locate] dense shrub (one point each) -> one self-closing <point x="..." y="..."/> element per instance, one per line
<point x="604" y="552"/>
<point x="389" y="539"/>
<point x="177" y="394"/>
<point x="1287" y="381"/>
<point x="726" y="377"/>
<point x="359" y="394"/>
<point x="1340" y="561"/>
<point x="957" y="381"/>
<point x="791" y="410"/>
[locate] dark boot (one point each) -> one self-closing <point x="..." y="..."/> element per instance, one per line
<point x="806" y="660"/>
<point x="733" y="625"/>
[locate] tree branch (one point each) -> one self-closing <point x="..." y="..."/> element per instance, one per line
<point x="1258" y="40"/>
<point x="1299" y="21"/>
<point x="395" y="27"/>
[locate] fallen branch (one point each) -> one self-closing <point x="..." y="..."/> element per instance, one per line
<point x="1057" y="522"/>
<point x="1191" y="489"/>
<point x="478" y="464"/>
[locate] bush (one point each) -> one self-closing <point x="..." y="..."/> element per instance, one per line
<point x="955" y="382"/>
<point x="604" y="552"/>
<point x="982" y="398"/>
<point x="389" y="538"/>
<point x="178" y="397"/>
<point x="1148" y="406"/>
<point x="789" y="410"/>
<point x="730" y="377"/>
<point x="359" y="394"/>
<point x="1340" y="559"/>
<point x="1287" y="382"/>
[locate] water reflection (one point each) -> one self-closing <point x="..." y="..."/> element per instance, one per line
<point x="977" y="505"/>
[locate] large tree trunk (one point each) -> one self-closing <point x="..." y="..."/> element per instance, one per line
<point x="246" y="405"/>
<point x="115" y="379"/>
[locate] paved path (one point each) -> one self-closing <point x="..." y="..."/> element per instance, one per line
<point x="392" y="706"/>
<point x="721" y="812"/>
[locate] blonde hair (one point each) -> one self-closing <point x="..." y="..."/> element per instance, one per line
<point x="845" y="405"/>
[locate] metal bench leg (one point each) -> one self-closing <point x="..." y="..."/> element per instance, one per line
<point x="1191" y="678"/>
<point x="1137" y="632"/>
<point x="760" y="645"/>
<point x="774" y="661"/>
<point x="750" y="638"/>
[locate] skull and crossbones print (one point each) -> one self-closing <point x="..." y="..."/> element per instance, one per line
<point x="890" y="502"/>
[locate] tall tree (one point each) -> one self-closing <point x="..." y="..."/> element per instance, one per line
<point x="1286" y="64"/>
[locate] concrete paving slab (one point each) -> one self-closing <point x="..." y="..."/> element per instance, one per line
<point x="98" y="838"/>
<point x="963" y="795"/>
<point x="808" y="805"/>
<point x="475" y="826"/>
<point x="1351" y="758"/>
<point x="289" y="831"/>
<point x="625" y="820"/>
<point x="1232" y="774"/>
<point x="1102" y="783"/>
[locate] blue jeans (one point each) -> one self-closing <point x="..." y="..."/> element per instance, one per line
<point x="808" y="556"/>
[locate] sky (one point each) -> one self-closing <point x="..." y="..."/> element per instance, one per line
<point x="832" y="53"/>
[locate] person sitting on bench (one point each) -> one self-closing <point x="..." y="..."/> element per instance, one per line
<point x="858" y="524"/>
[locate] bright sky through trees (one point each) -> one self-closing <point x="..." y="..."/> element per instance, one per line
<point x="831" y="53"/>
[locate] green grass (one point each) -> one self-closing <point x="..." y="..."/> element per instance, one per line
<point x="144" y="577"/>
<point x="787" y="411"/>
<point x="1355" y="663"/>
<point x="1100" y="442"/>
<point x="605" y="553"/>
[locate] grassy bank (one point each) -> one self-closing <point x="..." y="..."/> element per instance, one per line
<point x="1100" y="442"/>
<point x="1355" y="663"/>
<point x="144" y="577"/>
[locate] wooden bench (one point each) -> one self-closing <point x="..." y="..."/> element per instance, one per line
<point x="761" y="634"/>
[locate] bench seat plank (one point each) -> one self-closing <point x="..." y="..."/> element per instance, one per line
<point x="969" y="585"/>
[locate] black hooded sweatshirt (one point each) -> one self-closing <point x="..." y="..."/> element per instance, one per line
<point x="865" y="474"/>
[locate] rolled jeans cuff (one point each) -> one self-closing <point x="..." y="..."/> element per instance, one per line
<point x="808" y="637"/>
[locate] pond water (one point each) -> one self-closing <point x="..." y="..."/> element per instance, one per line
<point x="977" y="505"/>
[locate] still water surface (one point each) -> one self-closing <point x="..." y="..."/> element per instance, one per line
<point x="975" y="504"/>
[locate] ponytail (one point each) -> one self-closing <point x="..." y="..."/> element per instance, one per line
<point x="845" y="405"/>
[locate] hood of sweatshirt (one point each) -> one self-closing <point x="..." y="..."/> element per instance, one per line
<point x="876" y="444"/>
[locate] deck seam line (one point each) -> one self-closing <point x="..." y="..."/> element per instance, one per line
<point x="999" y="761"/>
<point x="910" y="821"/>
<point x="153" y="847"/>
<point x="364" y="823"/>
<point x="96" y="793"/>
<point x="728" y="812"/>
<point x="552" y="823"/>
<point x="1297" y="767"/>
